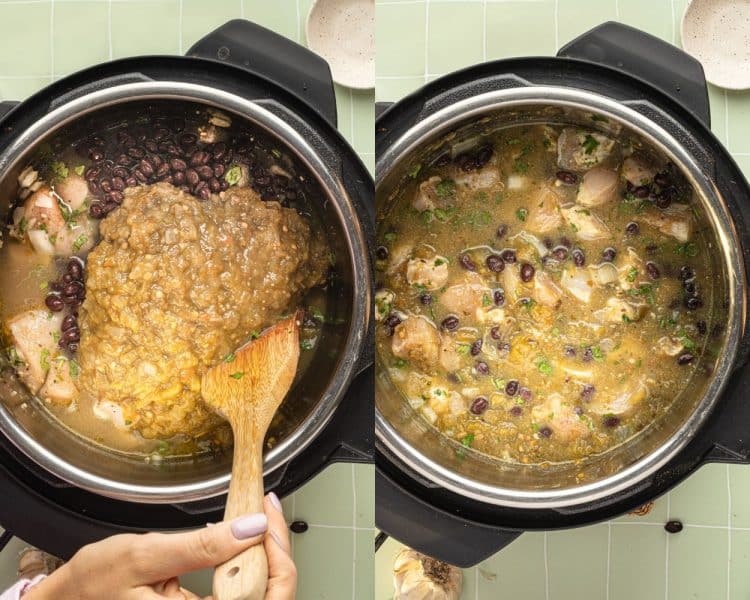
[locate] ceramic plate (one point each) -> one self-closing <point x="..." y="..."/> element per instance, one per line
<point x="717" y="33"/>
<point x="343" y="32"/>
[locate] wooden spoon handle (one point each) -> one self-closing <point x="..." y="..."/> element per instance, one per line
<point x="245" y="576"/>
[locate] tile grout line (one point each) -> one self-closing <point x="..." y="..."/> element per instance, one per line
<point x="52" y="40"/>
<point x="109" y="29"/>
<point x="242" y="8"/>
<point x="557" y="26"/>
<point x="666" y="549"/>
<point x="609" y="556"/>
<point x="546" y="568"/>
<point x="617" y="9"/>
<point x="484" y="30"/>
<point x="729" y="534"/>
<point x="476" y="582"/>
<point x="674" y="24"/>
<point x="179" y="25"/>
<point x="426" y="39"/>
<point x="354" y="527"/>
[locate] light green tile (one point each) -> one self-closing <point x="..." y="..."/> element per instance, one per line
<point x="739" y="574"/>
<point x="657" y="514"/>
<point x="280" y="17"/>
<point x="578" y="562"/>
<point x="443" y="54"/>
<point x="702" y="498"/>
<point x="514" y="571"/>
<point x="400" y="39"/>
<point x="698" y="564"/>
<point x="25" y="39"/>
<point x="739" y="476"/>
<point x="679" y="9"/>
<point x="200" y="18"/>
<point x="363" y="131"/>
<point x="738" y="107"/>
<point x="364" y="566"/>
<point x="364" y="480"/>
<point x="81" y="36"/>
<point x="344" y="110"/>
<point x="20" y="89"/>
<point x="198" y="582"/>
<point x="287" y="505"/>
<point x="327" y="499"/>
<point x="575" y="17"/>
<point x="637" y="549"/>
<point x="324" y="558"/>
<point x="652" y="17"/>
<point x="157" y="32"/>
<point x="304" y="11"/>
<point x="369" y="160"/>
<point x="390" y="90"/>
<point x="718" y="106"/>
<point x="520" y="29"/>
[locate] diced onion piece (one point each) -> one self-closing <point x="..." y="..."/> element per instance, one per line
<point x="603" y="274"/>
<point x="40" y="240"/>
<point x="578" y="283"/>
<point x="533" y="241"/>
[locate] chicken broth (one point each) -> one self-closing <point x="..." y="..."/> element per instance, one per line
<point x="544" y="295"/>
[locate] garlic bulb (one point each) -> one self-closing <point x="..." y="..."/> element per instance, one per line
<point x="419" y="577"/>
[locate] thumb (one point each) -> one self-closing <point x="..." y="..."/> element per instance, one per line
<point x="172" y="554"/>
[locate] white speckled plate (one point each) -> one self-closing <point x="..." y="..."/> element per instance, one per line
<point x="343" y="32"/>
<point x="717" y="33"/>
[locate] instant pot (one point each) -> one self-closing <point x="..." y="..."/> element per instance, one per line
<point x="623" y="82"/>
<point x="55" y="481"/>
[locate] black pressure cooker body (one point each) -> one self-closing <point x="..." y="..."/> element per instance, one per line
<point x="249" y="61"/>
<point x="668" y="86"/>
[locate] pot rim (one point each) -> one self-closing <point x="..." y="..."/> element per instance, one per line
<point x="475" y="106"/>
<point x="304" y="434"/>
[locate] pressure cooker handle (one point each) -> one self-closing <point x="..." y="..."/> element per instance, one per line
<point x="645" y="57"/>
<point x="272" y="56"/>
<point x="6" y="107"/>
<point x="439" y="534"/>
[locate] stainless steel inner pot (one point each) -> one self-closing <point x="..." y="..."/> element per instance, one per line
<point x="314" y="397"/>
<point x="425" y="450"/>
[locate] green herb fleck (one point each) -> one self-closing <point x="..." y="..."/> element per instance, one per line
<point x="390" y="237"/>
<point x="80" y="241"/>
<point x="520" y="166"/>
<point x="426" y="217"/>
<point x="163" y="448"/>
<point x="632" y="274"/>
<point x="44" y="359"/>
<point x="687" y="343"/>
<point x="306" y="344"/>
<point x="446" y="188"/>
<point x="59" y="170"/>
<point x="463" y="349"/>
<point x="590" y="144"/>
<point x="438" y="262"/>
<point x="486" y="301"/>
<point x="400" y="363"/>
<point x="597" y="353"/>
<point x="233" y="175"/>
<point x="73" y="368"/>
<point x="687" y="249"/>
<point x="521" y="214"/>
<point x="498" y="383"/>
<point x="626" y="319"/>
<point x="79" y="169"/>
<point x="415" y="171"/>
<point x="544" y="366"/>
<point x="56" y="336"/>
<point x="467" y="440"/>
<point x="238" y="375"/>
<point x="229" y="357"/>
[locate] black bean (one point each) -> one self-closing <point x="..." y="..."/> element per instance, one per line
<point x="686" y="272"/>
<point x="560" y="252"/>
<point x="465" y="261"/>
<point x="545" y="431"/>
<point x="579" y="258"/>
<point x="662" y="179"/>
<point x="188" y="139"/>
<point x="139" y="175"/>
<point x="224" y="185"/>
<point x="72" y="346"/>
<point x="92" y="173"/>
<point x="476" y="347"/>
<point x="567" y="177"/>
<point x="685" y="359"/>
<point x="449" y="323"/>
<point x="205" y="172"/>
<point x="192" y="177"/>
<point x="298" y="527"/>
<point x="689" y="287"/>
<point x="651" y="249"/>
<point x="501" y="231"/>
<point x="136" y="152"/>
<point x="516" y="411"/>
<point x="442" y="160"/>
<point x="54" y="302"/>
<point x="664" y="198"/>
<point x="511" y="388"/>
<point x="525" y="394"/>
<point x="527" y="272"/>
<point x="118" y="183"/>
<point x="75" y="269"/>
<point x="162" y="170"/>
<point x="204" y="193"/>
<point x="652" y="270"/>
<point x="70" y="299"/>
<point x="124" y="160"/>
<point x="611" y="421"/>
<point x="701" y="327"/>
<point x="587" y="392"/>
<point x="495" y="263"/>
<point x="479" y="405"/>
<point x="151" y="146"/>
<point x="69" y="322"/>
<point x="632" y="228"/>
<point x="495" y="333"/>
<point x="219" y="150"/>
<point x="392" y="320"/>
<point x="482" y="368"/>
<point x="105" y="185"/>
<point x="199" y="158"/>
<point x="72" y="288"/>
<point x="96" y="155"/>
<point x="177" y="164"/>
<point x="425" y="298"/>
<point x="673" y="527"/>
<point x="96" y="210"/>
<point x="66" y="278"/>
<point x="608" y="254"/>
<point x="642" y="191"/>
<point x="498" y="297"/>
<point x="588" y="354"/>
<point x="381" y="252"/>
<point x="569" y="351"/>
<point x="178" y="178"/>
<point x="483" y="155"/>
<point x="465" y="162"/>
<point x="504" y="348"/>
<point x="509" y="256"/>
<point x="219" y="169"/>
<point x="146" y="167"/>
<point x="115" y="196"/>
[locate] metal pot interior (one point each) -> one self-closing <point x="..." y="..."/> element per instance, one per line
<point x="423" y="448"/>
<point x="320" y="381"/>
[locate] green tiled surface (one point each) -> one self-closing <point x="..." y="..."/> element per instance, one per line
<point x="631" y="557"/>
<point x="42" y="40"/>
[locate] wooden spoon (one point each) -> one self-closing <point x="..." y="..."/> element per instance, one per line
<point x="246" y="389"/>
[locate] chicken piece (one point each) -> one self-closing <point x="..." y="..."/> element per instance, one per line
<point x="73" y="191"/>
<point x="33" y="335"/>
<point x="560" y="417"/>
<point x="398" y="256"/>
<point x="576" y="369"/>
<point x="417" y="340"/>
<point x="78" y="237"/>
<point x="618" y="310"/>
<point x="579" y="150"/>
<point x="59" y="387"/>
<point x="598" y="187"/>
<point x="383" y="303"/>
<point x="511" y="282"/>
<point x="109" y="411"/>
<point x="517" y="182"/>
<point x="450" y="359"/>
<point x="546" y="291"/>
<point x="675" y="220"/>
<point x="578" y="283"/>
<point x="637" y="171"/>
<point x="622" y="402"/>
<point x="42" y="212"/>
<point x="544" y="215"/>
<point x="428" y="195"/>
<point x="443" y="401"/>
<point x="668" y="346"/>
<point x="464" y="299"/>
<point x="629" y="269"/>
<point x="603" y="274"/>
<point x="532" y="241"/>
<point x="430" y="273"/>
<point x="586" y="225"/>
<point x="487" y="176"/>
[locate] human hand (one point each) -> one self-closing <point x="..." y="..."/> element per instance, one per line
<point x="147" y="567"/>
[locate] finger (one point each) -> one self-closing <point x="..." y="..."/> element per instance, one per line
<point x="159" y="556"/>
<point x="172" y="589"/>
<point x="282" y="573"/>
<point x="190" y="595"/>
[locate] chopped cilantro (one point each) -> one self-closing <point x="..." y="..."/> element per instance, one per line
<point x="486" y="300"/>
<point x="73" y="368"/>
<point x="317" y="314"/>
<point x="687" y="249"/>
<point x="446" y="188"/>
<point x="56" y="336"/>
<point x="521" y="214"/>
<point x="438" y="262"/>
<point x="478" y="218"/>
<point x="238" y="375"/>
<point x="498" y="383"/>
<point x="665" y="322"/>
<point x="233" y="175"/>
<point x="467" y="440"/>
<point x="229" y="357"/>
<point x="306" y="344"/>
<point x="80" y="241"/>
<point x="646" y="290"/>
<point x="59" y="170"/>
<point x="163" y="448"/>
<point x="44" y="359"/>
<point x="400" y="363"/>
<point x="597" y="353"/>
<point x="520" y="166"/>
<point x="544" y="366"/>
<point x="513" y="141"/>
<point x="626" y="319"/>
<point x="632" y="274"/>
<point x="590" y="144"/>
<point x="255" y="334"/>
<point x="444" y="214"/>
<point x="481" y="196"/>
<point x="415" y="171"/>
<point x="463" y="349"/>
<point x="390" y="237"/>
<point x="687" y="342"/>
<point x="426" y="217"/>
<point x="80" y="169"/>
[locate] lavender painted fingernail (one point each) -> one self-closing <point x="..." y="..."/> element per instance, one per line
<point x="275" y="501"/>
<point x="249" y="526"/>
